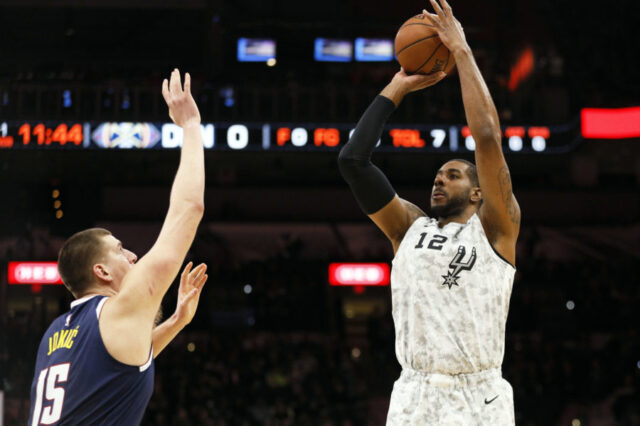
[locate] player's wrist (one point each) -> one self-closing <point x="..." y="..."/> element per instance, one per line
<point x="395" y="92"/>
<point x="195" y="124"/>
<point x="461" y="50"/>
<point x="174" y="321"/>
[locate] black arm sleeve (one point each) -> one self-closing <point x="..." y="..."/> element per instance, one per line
<point x="369" y="185"/>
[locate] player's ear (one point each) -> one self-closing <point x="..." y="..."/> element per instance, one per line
<point x="476" y="194"/>
<point x="101" y="271"/>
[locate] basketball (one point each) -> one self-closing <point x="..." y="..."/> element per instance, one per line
<point x="419" y="49"/>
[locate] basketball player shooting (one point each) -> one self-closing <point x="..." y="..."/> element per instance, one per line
<point x="452" y="272"/>
<point x="95" y="363"/>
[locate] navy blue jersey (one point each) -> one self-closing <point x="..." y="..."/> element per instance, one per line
<point x="77" y="382"/>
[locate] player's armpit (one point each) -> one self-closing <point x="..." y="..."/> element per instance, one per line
<point x="396" y="218"/>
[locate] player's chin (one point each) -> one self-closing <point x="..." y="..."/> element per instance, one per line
<point x="439" y="200"/>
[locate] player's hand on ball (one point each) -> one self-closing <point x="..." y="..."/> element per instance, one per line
<point x="191" y="283"/>
<point x="449" y="29"/>
<point x="412" y="83"/>
<point x="182" y="107"/>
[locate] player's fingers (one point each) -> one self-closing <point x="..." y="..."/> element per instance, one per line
<point x="446" y="7"/>
<point x="202" y="267"/>
<point x="186" y="269"/>
<point x="165" y="90"/>
<point x="187" y="83"/>
<point x="431" y="18"/>
<point x="175" y="83"/>
<point x="193" y="276"/>
<point x="437" y="76"/>
<point x="438" y="9"/>
<point x="197" y="278"/>
<point x="429" y="80"/>
<point x="202" y="281"/>
<point x="198" y="272"/>
<point x="190" y="295"/>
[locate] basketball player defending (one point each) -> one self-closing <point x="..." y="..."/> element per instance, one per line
<point x="95" y="363"/>
<point x="452" y="272"/>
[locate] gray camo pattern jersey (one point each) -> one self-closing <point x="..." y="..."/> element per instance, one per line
<point x="450" y="298"/>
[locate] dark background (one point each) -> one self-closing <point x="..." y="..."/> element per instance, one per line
<point x="293" y="350"/>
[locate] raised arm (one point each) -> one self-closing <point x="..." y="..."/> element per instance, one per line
<point x="499" y="213"/>
<point x="369" y="185"/>
<point x="126" y="321"/>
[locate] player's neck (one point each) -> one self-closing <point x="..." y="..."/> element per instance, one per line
<point x="103" y="291"/>
<point x="459" y="218"/>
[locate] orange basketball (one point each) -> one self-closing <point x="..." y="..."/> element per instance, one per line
<point x="419" y="49"/>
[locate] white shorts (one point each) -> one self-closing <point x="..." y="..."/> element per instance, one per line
<point x="476" y="399"/>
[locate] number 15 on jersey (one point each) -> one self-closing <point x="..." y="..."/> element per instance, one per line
<point x="49" y="384"/>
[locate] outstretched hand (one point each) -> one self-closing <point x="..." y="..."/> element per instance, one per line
<point x="415" y="82"/>
<point x="402" y="83"/>
<point x="191" y="283"/>
<point x="182" y="107"/>
<point x="449" y="29"/>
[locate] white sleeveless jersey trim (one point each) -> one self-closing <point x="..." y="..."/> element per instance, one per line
<point x="493" y="249"/>
<point x="497" y="255"/>
<point x="82" y="300"/>
<point x="147" y="364"/>
<point x="100" y="306"/>
<point x="142" y="367"/>
<point x="450" y="297"/>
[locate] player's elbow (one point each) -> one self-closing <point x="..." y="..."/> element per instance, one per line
<point x="196" y="207"/>
<point x="344" y="155"/>
<point x="350" y="165"/>
<point x="489" y="134"/>
<point x="193" y="208"/>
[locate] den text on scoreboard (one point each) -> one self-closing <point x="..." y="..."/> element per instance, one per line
<point x="273" y="136"/>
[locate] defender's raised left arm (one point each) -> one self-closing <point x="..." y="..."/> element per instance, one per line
<point x="500" y="212"/>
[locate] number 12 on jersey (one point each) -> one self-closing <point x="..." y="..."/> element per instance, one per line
<point x="47" y="381"/>
<point x="435" y="243"/>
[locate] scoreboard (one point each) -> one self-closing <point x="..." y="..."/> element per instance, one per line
<point x="303" y="137"/>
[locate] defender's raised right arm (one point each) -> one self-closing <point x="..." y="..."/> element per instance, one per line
<point x="369" y="185"/>
<point x="162" y="263"/>
<point x="127" y="320"/>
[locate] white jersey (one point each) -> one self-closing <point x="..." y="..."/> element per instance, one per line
<point x="450" y="297"/>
